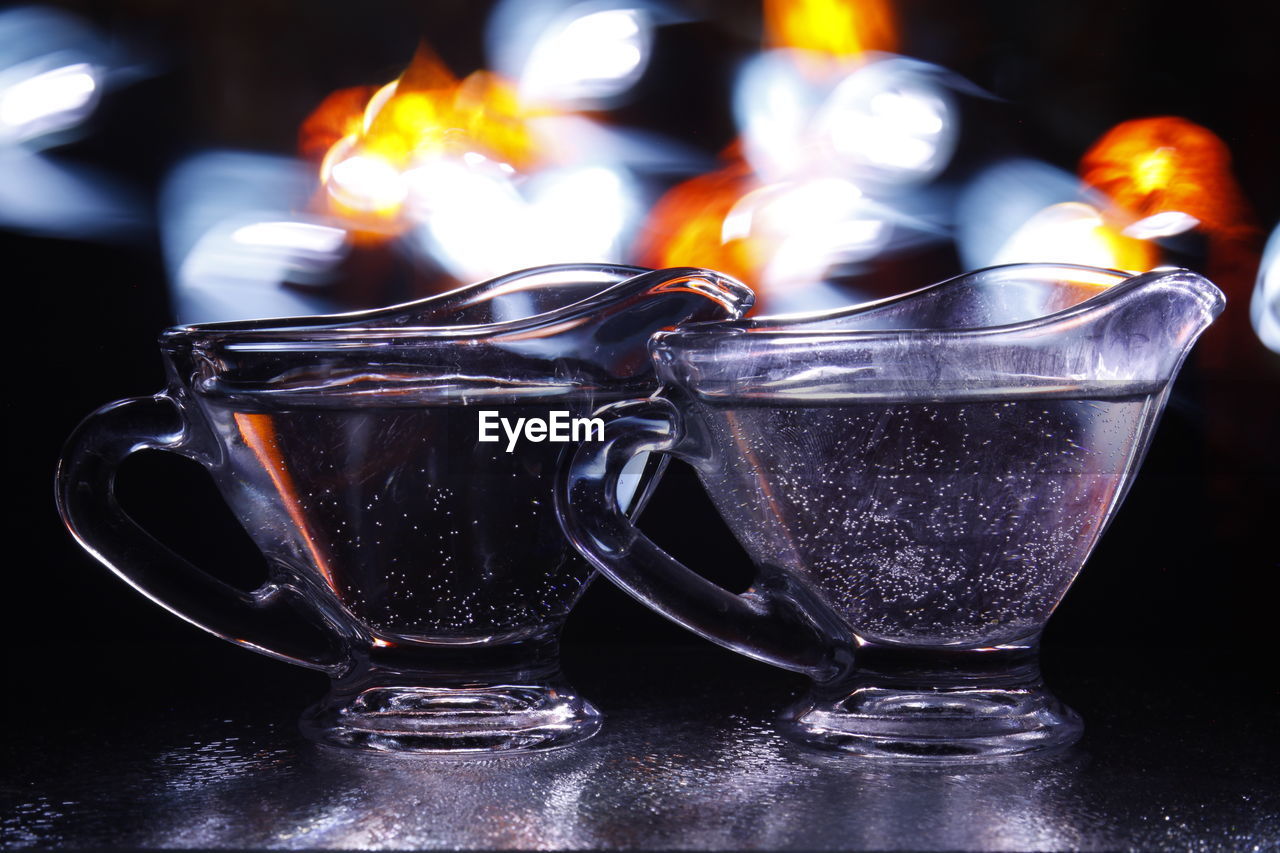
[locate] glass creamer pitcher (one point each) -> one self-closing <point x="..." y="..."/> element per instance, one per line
<point x="365" y="455"/>
<point x="918" y="481"/>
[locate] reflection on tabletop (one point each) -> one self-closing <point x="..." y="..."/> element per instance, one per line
<point x="709" y="772"/>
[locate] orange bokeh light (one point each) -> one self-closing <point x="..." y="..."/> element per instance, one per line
<point x="838" y="29"/>
<point x="427" y="111"/>
<point x="686" y="226"/>
<point x="1160" y="165"/>
<point x="1127" y="253"/>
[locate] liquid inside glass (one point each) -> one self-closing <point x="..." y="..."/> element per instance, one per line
<point x="419" y="530"/>
<point x="927" y="523"/>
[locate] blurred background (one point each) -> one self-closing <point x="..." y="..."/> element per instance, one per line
<point x="166" y="162"/>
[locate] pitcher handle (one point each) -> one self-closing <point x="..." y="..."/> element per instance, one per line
<point x="768" y="622"/>
<point x="87" y="502"/>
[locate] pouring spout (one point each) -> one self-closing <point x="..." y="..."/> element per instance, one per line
<point x="1144" y="329"/>
<point x="1188" y="301"/>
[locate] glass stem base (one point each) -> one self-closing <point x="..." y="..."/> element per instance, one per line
<point x="935" y="708"/>
<point x="394" y="703"/>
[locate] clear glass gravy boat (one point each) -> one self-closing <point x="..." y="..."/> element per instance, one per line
<point x="349" y="448"/>
<point x="918" y="481"/>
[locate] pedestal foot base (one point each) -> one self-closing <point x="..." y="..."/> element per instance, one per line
<point x="419" y="719"/>
<point x="950" y="724"/>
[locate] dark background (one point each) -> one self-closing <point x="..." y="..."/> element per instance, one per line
<point x="1187" y="566"/>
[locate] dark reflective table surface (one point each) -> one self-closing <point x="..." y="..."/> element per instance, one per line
<point x="1178" y="753"/>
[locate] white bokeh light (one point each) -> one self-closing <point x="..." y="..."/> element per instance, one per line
<point x="599" y="54"/>
<point x="47" y="101"/>
<point x="1164" y="224"/>
<point x="1068" y="233"/>
<point x="1264" y="308"/>
<point x="482" y="222"/>
<point x="300" y="236"/>
<point x="889" y="123"/>
<point x="367" y="183"/>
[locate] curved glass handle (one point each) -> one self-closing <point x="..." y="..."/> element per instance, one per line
<point x="771" y="622"/>
<point x="87" y="503"/>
